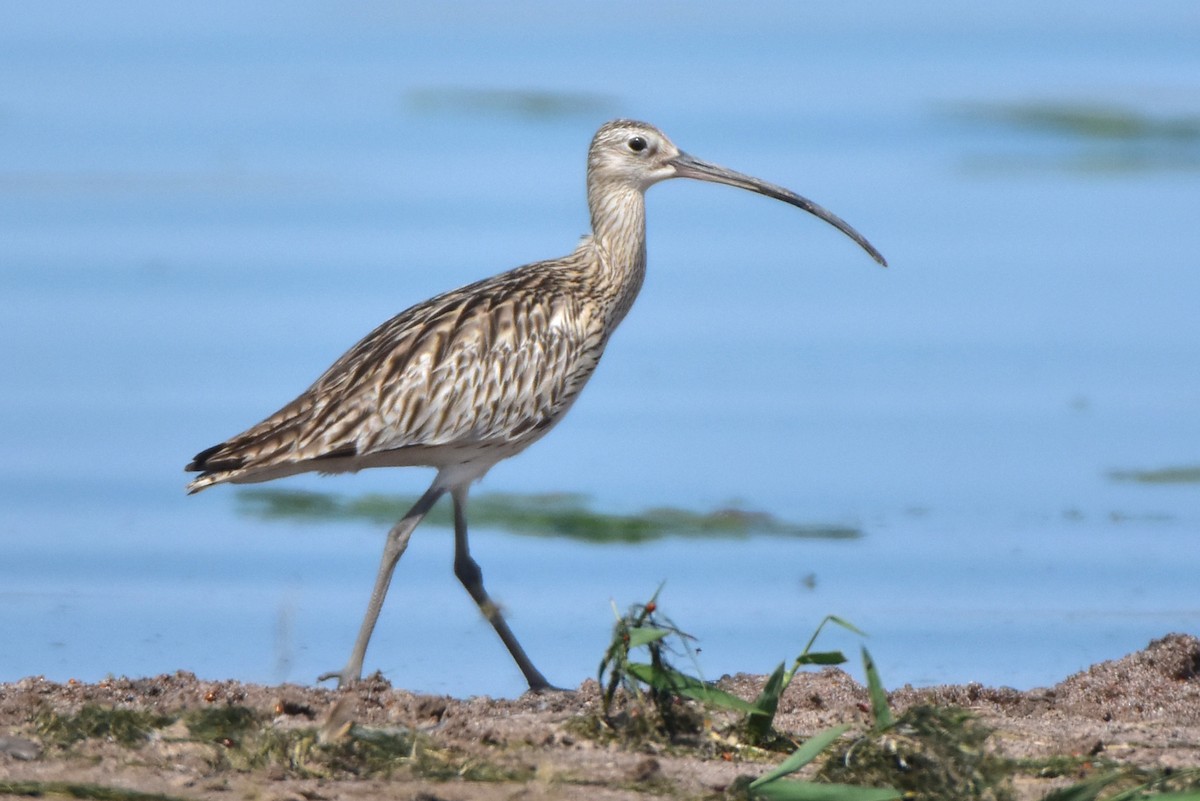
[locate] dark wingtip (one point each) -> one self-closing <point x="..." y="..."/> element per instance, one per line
<point x="199" y="461"/>
<point x="203" y="462"/>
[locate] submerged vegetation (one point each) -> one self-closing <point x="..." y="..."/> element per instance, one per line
<point x="1166" y="475"/>
<point x="531" y="103"/>
<point x="1089" y="121"/>
<point x="544" y="515"/>
<point x="1088" y="137"/>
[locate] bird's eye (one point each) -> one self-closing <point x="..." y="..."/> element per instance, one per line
<point x="637" y="144"/>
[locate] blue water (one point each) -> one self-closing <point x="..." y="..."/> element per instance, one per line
<point x="201" y="208"/>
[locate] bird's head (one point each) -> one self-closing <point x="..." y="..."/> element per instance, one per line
<point x="632" y="154"/>
<point x="626" y="154"/>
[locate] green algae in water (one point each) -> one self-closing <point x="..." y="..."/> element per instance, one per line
<point x="529" y="103"/>
<point x="544" y="515"/>
<point x="1088" y="121"/>
<point x="1084" y="137"/>
<point x="1165" y="475"/>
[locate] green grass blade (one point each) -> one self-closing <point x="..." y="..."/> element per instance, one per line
<point x="644" y="635"/>
<point x="837" y="621"/>
<point x="846" y="624"/>
<point x="758" y="724"/>
<point x="821" y="658"/>
<point x="787" y="790"/>
<point x="880" y="710"/>
<point x="672" y="681"/>
<point x="803" y="755"/>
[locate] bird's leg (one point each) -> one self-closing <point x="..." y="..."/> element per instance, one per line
<point x="393" y="549"/>
<point x="468" y="572"/>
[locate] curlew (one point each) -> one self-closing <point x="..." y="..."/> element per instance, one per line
<point x="477" y="375"/>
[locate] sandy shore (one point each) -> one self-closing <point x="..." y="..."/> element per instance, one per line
<point x="189" y="738"/>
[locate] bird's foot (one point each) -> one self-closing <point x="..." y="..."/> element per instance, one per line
<point x="345" y="677"/>
<point x="542" y="687"/>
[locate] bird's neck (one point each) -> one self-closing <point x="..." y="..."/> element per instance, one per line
<point x="619" y="235"/>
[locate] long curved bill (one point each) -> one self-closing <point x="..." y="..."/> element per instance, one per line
<point x="690" y="167"/>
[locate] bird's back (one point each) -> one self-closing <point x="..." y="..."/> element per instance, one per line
<point x="477" y="373"/>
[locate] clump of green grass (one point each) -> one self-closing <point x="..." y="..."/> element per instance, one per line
<point x="243" y="740"/>
<point x="1134" y="784"/>
<point x="127" y="727"/>
<point x="361" y="752"/>
<point x="441" y="764"/>
<point x="372" y="752"/>
<point x="303" y="753"/>
<point x="660" y="700"/>
<point x="226" y="725"/>
<point x="941" y="754"/>
<point x="84" y="790"/>
<point x="773" y="786"/>
<point x="295" y="751"/>
<point x="928" y="752"/>
<point x="934" y="753"/>
<point x="655" y="690"/>
<point x="758" y="724"/>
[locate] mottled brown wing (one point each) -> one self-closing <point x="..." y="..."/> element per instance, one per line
<point x="495" y="362"/>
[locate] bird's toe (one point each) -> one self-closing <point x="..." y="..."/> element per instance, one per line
<point x="345" y="677"/>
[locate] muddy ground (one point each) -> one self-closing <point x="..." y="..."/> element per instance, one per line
<point x="188" y="738"/>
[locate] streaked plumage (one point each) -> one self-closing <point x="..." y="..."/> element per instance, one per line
<point x="488" y="368"/>
<point x="476" y="375"/>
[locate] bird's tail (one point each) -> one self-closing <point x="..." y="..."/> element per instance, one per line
<point x="215" y="466"/>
